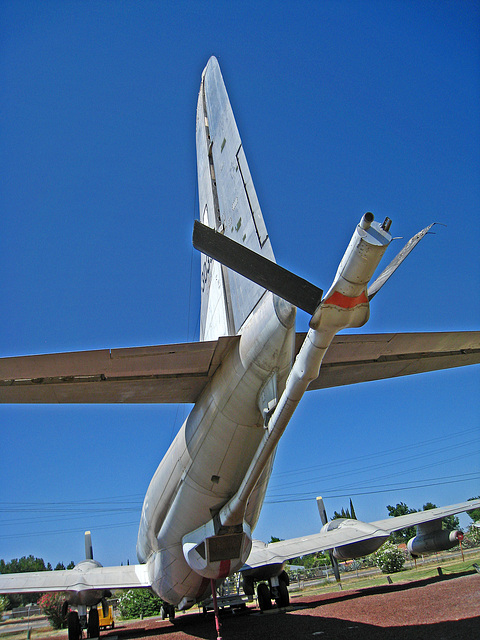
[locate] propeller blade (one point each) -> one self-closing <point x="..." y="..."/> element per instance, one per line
<point x="105" y="608"/>
<point x="322" y="511"/>
<point x="88" y="546"/>
<point x="333" y="561"/>
<point x="336" y="570"/>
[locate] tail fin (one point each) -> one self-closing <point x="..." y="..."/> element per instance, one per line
<point x="228" y="204"/>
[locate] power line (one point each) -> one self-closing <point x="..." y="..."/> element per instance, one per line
<point x="327" y="494"/>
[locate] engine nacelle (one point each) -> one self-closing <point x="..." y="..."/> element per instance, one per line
<point x="358" y="549"/>
<point x="373" y="538"/>
<point x="434" y="541"/>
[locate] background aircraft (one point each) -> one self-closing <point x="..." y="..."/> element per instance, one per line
<point x="196" y="526"/>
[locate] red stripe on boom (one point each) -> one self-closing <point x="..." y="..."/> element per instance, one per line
<point x="346" y="302"/>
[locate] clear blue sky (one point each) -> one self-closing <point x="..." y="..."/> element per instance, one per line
<point x="343" y="107"/>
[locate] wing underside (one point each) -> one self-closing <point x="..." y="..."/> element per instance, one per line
<point x="179" y="373"/>
<point x="75" y="580"/>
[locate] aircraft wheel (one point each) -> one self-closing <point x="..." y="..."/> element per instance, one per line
<point x="284" y="576"/>
<point x="248" y="587"/>
<point x="171" y="612"/>
<point x="283" y="599"/>
<point x="263" y="596"/>
<point x="74" y="628"/>
<point x="93" y="627"/>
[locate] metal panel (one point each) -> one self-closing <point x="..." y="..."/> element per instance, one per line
<point x="256" y="267"/>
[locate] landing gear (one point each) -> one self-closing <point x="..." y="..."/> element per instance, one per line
<point x="264" y="596"/>
<point x="277" y="590"/>
<point x="283" y="597"/>
<point x="93" y="626"/>
<point x="167" y="611"/>
<point x="74" y="628"/>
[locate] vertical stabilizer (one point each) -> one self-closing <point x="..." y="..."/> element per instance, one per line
<point x="228" y="203"/>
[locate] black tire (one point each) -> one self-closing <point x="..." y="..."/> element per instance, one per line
<point x="284" y="576"/>
<point x="93" y="627"/>
<point x="171" y="613"/>
<point x="264" y="597"/>
<point x="248" y="587"/>
<point x="74" y="628"/>
<point x="283" y="599"/>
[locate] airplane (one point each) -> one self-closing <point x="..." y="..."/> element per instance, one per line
<point x="245" y="378"/>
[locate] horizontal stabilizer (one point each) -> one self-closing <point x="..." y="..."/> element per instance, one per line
<point x="180" y="372"/>
<point x="364" y="357"/>
<point x="257" y="268"/>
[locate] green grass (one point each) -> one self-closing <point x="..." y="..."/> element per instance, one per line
<point x="421" y="572"/>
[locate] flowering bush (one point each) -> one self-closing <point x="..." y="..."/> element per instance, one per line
<point x="136" y="603"/>
<point x="389" y="559"/>
<point x="51" y="605"/>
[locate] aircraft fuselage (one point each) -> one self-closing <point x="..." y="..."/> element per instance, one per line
<point x="211" y="454"/>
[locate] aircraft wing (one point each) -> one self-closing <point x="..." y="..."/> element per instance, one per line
<point x="419" y="517"/>
<point x="350" y="532"/>
<point x="179" y="372"/>
<point x="77" y="579"/>
<point x="275" y="552"/>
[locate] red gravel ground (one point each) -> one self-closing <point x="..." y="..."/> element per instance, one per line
<point x="431" y="609"/>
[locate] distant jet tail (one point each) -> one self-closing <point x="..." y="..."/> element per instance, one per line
<point x="228" y="203"/>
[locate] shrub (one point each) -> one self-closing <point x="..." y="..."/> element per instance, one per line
<point x="4" y="605"/>
<point x="389" y="559"/>
<point x="51" y="605"/>
<point x="136" y="603"/>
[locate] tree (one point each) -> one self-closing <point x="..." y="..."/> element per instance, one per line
<point x="23" y="565"/>
<point x="4" y="605"/>
<point x="135" y="603"/>
<point x="404" y="535"/>
<point x="345" y="513"/>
